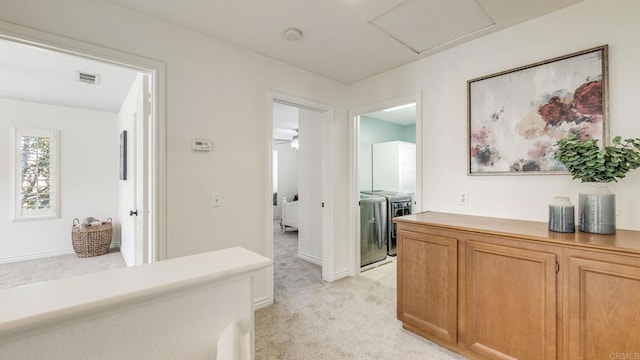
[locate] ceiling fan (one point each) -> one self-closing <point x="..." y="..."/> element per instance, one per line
<point x="279" y="139"/>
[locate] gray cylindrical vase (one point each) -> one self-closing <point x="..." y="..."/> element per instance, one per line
<point x="597" y="209"/>
<point x="561" y="215"/>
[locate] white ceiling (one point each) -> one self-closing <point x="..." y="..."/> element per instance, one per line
<point x="39" y="75"/>
<point x="346" y="40"/>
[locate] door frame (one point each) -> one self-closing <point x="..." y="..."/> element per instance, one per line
<point x="354" y="165"/>
<point x="328" y="273"/>
<point x="156" y="70"/>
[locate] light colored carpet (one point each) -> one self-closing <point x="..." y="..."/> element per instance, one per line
<point x="56" y="267"/>
<point x="352" y="318"/>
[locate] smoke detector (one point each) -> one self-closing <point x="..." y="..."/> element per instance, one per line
<point x="292" y="34"/>
<point x="88" y="78"/>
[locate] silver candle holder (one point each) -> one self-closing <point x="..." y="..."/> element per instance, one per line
<point x="562" y="215"/>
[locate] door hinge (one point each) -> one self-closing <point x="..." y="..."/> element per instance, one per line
<point x="359" y="203"/>
<point x="557" y="267"/>
<point x="322" y="204"/>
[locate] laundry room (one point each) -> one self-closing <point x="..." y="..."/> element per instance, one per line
<point x="387" y="179"/>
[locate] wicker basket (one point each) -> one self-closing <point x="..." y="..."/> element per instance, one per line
<point x="93" y="240"/>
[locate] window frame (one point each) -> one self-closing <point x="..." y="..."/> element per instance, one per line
<point x="18" y="214"/>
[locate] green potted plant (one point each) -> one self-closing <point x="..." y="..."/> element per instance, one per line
<point x="590" y="163"/>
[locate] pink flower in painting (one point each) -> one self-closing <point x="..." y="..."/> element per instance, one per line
<point x="556" y="111"/>
<point x="588" y="98"/>
<point x="480" y="136"/>
<point x="538" y="150"/>
<point x="587" y="130"/>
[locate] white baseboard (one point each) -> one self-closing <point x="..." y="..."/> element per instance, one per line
<point x="45" y="254"/>
<point x="261" y="303"/>
<point x="341" y="274"/>
<point x="310" y="259"/>
<point x="34" y="256"/>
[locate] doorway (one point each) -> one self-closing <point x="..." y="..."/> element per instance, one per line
<point x="152" y="227"/>
<point x="386" y="177"/>
<point x="304" y="203"/>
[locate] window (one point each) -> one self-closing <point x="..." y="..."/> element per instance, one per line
<point x="35" y="174"/>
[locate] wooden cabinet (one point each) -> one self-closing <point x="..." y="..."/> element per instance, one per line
<point x="510" y="303"/>
<point x="603" y="306"/>
<point x="430" y="257"/>
<point x="504" y="289"/>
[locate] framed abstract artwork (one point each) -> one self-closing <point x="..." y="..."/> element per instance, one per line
<point x="515" y="117"/>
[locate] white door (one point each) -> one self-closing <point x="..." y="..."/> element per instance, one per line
<point x="310" y="186"/>
<point x="140" y="178"/>
<point x="132" y="191"/>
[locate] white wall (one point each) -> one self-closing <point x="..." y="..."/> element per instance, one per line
<point x="126" y="191"/>
<point x="442" y="78"/>
<point x="216" y="91"/>
<point x="310" y="175"/>
<point x="88" y="165"/>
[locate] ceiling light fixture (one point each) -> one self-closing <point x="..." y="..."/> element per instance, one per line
<point x="292" y="34"/>
<point x="399" y="107"/>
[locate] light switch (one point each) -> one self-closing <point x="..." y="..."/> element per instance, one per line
<point x="215" y="200"/>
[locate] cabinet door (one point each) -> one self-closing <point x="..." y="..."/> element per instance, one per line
<point x="510" y="302"/>
<point x="427" y="283"/>
<point x="603" y="308"/>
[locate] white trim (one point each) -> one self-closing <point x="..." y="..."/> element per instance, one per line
<point x="261" y="303"/>
<point x="353" y="251"/>
<point x="354" y="153"/>
<point x="157" y="71"/>
<point x="342" y="274"/>
<point x="47" y="254"/>
<point x="34" y="256"/>
<point x="327" y="231"/>
<point x="309" y="258"/>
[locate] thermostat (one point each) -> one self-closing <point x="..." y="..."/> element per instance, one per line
<point x="201" y="145"/>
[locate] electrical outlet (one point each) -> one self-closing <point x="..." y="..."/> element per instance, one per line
<point x="463" y="198"/>
<point x="215" y="200"/>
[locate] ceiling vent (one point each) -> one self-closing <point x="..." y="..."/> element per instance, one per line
<point x="88" y="78"/>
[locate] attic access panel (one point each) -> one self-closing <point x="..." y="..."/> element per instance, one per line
<point x="422" y="25"/>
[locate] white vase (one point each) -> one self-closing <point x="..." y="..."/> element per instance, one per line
<point x="597" y="209"/>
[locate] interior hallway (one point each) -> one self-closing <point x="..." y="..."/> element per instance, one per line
<point x="352" y="318"/>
